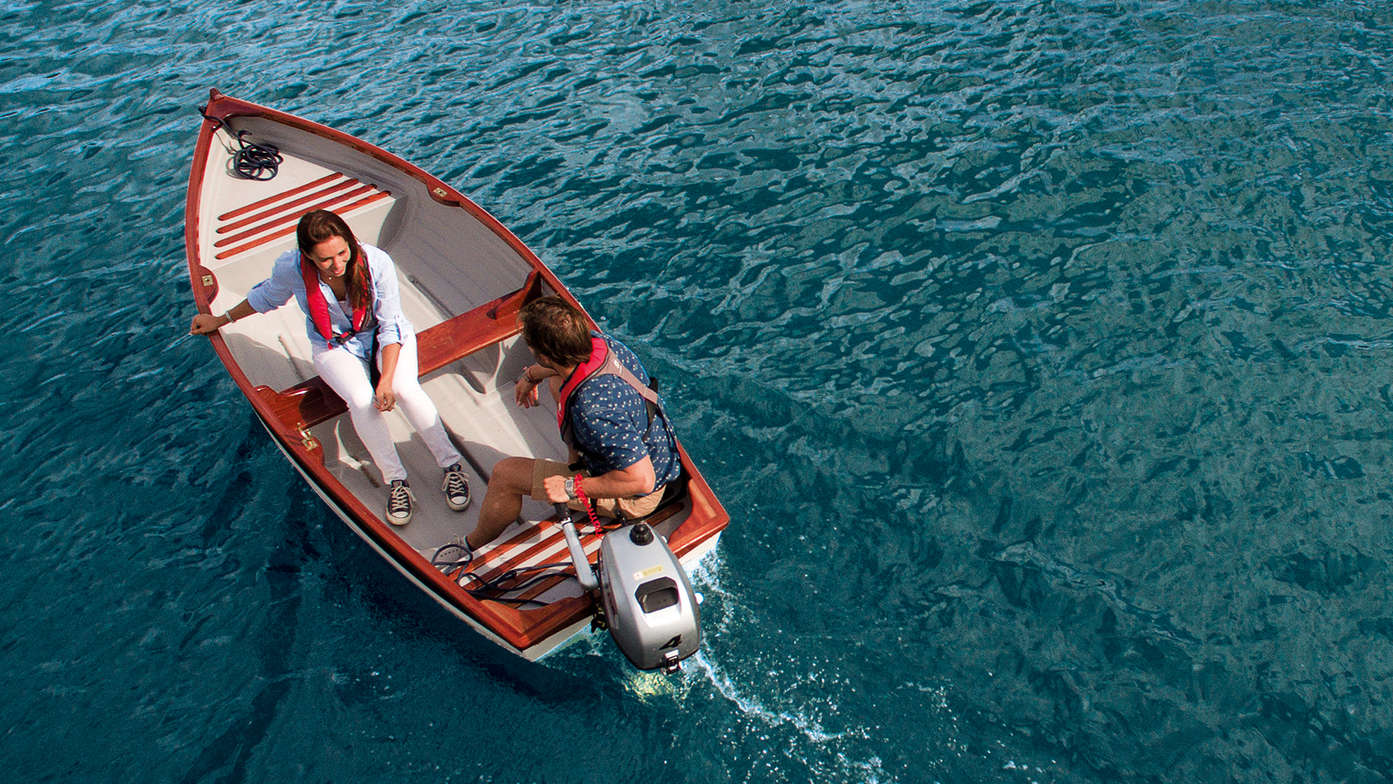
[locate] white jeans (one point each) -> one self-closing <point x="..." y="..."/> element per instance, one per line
<point x="347" y="375"/>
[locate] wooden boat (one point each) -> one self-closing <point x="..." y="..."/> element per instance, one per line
<point x="463" y="278"/>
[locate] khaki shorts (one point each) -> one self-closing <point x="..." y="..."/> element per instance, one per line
<point x="618" y="508"/>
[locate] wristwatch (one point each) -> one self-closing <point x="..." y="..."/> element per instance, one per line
<point x="570" y="487"/>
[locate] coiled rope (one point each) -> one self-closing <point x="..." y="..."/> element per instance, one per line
<point x="250" y="161"/>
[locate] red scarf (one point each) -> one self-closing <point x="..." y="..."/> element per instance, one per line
<point x="319" y="307"/>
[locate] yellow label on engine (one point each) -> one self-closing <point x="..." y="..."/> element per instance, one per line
<point x="649" y="572"/>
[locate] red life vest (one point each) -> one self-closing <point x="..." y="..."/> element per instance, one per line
<point x="319" y="307"/>
<point x="602" y="362"/>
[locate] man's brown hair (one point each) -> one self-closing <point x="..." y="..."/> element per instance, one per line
<point x="554" y="328"/>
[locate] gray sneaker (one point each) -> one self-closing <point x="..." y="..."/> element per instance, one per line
<point x="456" y="487"/>
<point x="400" y="502"/>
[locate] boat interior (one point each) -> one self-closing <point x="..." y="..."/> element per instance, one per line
<point x="461" y="285"/>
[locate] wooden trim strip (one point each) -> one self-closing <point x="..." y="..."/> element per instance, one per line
<point x="282" y="218"/>
<point x="520" y="555"/>
<point x="273" y="199"/>
<point x="526" y="549"/>
<point x="280" y="209"/>
<point x="291" y="230"/>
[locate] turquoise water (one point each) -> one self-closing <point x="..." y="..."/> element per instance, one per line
<point x="1040" y="352"/>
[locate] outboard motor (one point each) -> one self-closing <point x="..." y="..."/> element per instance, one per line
<point x="648" y="602"/>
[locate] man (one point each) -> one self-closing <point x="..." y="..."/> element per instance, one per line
<point x="610" y="419"/>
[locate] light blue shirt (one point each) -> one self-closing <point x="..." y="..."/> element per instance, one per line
<point x="286" y="281"/>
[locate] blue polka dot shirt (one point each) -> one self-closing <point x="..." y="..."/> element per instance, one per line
<point x="611" y="424"/>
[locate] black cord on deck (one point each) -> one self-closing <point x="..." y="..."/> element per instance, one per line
<point x="494" y="588"/>
<point x="250" y="161"/>
<point x="256" y="161"/>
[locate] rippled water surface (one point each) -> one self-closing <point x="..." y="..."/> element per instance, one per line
<point x="1041" y="353"/>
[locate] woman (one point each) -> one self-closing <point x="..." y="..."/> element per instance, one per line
<point x="349" y="294"/>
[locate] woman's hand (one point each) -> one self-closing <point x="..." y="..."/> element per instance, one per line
<point x="206" y="324"/>
<point x="384" y="398"/>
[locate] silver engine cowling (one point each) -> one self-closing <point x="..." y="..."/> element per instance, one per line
<point x="650" y="608"/>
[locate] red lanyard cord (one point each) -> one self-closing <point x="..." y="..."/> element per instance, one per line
<point x="589" y="509"/>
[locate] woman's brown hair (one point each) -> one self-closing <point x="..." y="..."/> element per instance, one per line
<point x="320" y="225"/>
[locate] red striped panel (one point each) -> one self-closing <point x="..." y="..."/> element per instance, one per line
<point x="273" y="199"/>
<point x="280" y="209"/>
<point x="281" y="218"/>
<point x="516" y="552"/>
<point x="522" y="550"/>
<point x="586" y="539"/>
<point x="285" y="232"/>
